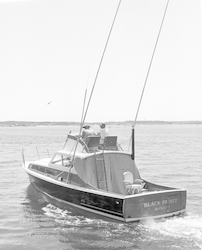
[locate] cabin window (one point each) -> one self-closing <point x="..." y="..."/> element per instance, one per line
<point x="34" y="167"/>
<point x="41" y="169"/>
<point x="47" y="171"/>
<point x="53" y="172"/>
<point x="37" y="168"/>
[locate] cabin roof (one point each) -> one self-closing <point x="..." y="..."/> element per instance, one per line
<point x="86" y="155"/>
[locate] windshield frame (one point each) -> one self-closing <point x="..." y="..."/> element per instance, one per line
<point x="71" y="144"/>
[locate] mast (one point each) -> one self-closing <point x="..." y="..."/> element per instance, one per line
<point x="147" y="75"/>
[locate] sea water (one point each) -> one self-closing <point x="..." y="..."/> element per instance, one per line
<point x="168" y="155"/>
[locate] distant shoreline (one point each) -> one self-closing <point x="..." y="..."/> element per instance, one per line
<point x="126" y="123"/>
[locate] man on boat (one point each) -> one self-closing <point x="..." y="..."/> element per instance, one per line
<point x="88" y="131"/>
<point x="103" y="132"/>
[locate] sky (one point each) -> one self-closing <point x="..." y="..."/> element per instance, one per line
<point x="50" y="51"/>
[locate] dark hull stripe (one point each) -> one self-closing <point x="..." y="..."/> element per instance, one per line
<point x="102" y="210"/>
<point x="129" y="208"/>
<point x="94" y="202"/>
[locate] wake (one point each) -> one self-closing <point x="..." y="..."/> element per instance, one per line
<point x="184" y="231"/>
<point x="187" y="227"/>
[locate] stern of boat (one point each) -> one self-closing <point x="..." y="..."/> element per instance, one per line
<point x="154" y="205"/>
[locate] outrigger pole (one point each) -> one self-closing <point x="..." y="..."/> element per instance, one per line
<point x="148" y="71"/>
<point x="77" y="141"/>
<point x="83" y="117"/>
<point x="98" y="70"/>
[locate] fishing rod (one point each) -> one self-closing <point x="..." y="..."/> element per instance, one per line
<point x="147" y="75"/>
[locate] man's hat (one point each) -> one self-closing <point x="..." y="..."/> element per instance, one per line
<point x="86" y="126"/>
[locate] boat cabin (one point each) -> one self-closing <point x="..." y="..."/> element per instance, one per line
<point x="90" y="166"/>
<point x="98" y="168"/>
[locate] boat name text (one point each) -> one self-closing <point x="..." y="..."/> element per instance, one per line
<point x="159" y="203"/>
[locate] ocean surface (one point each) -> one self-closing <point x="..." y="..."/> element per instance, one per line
<point x="168" y="155"/>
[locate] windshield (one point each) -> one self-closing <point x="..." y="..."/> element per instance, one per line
<point x="71" y="143"/>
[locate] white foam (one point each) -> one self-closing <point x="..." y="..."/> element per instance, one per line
<point x="64" y="217"/>
<point x="53" y="211"/>
<point x="189" y="227"/>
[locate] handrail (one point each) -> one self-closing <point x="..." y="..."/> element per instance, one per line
<point x="37" y="150"/>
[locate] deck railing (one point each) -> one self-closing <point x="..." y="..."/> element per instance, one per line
<point x="34" y="153"/>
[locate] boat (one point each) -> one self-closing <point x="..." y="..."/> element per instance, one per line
<point x="103" y="179"/>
